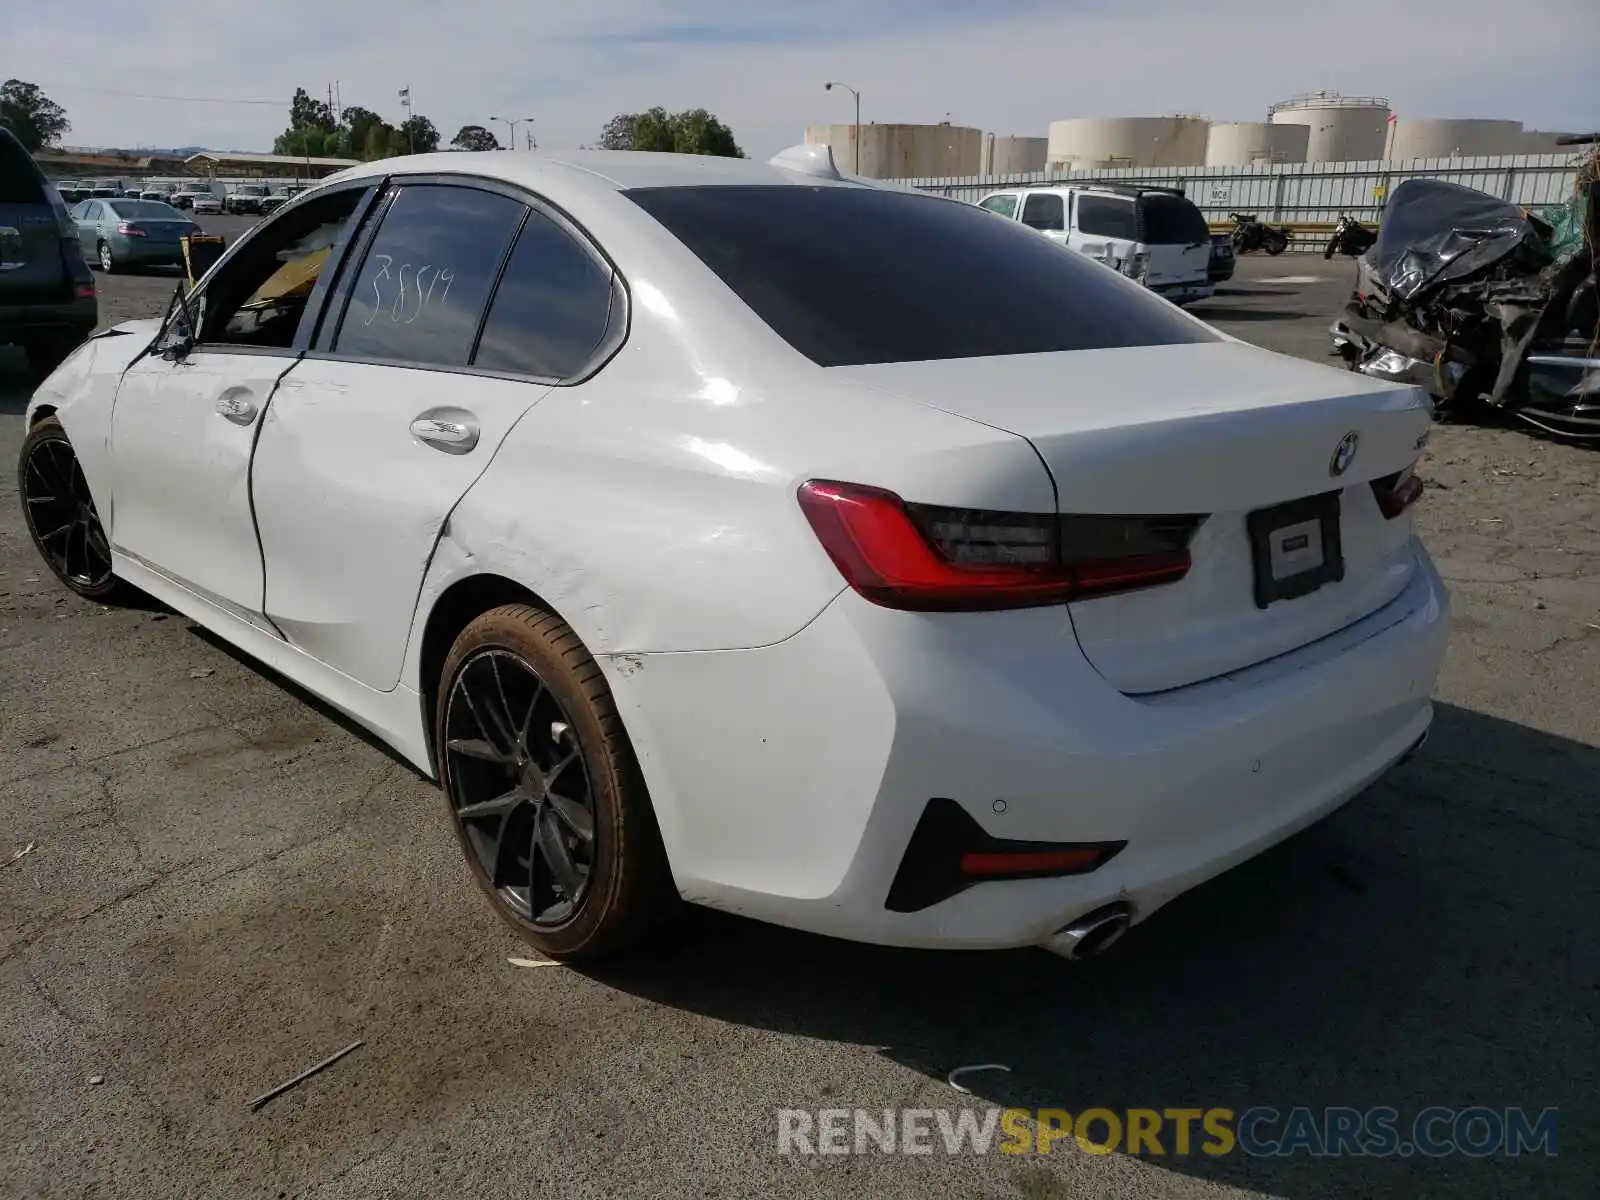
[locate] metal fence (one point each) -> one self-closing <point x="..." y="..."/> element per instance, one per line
<point x="1307" y="193"/>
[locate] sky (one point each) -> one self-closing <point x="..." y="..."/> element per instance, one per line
<point x="1006" y="66"/>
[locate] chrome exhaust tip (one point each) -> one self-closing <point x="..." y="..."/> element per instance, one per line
<point x="1091" y="934"/>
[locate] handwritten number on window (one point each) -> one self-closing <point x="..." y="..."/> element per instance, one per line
<point x="426" y="278"/>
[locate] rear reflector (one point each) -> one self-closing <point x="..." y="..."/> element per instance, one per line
<point x="950" y="852"/>
<point x="1396" y="493"/>
<point x="925" y="558"/>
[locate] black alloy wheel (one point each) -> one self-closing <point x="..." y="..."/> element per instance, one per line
<point x="519" y="787"/>
<point x="543" y="788"/>
<point x="60" y="512"/>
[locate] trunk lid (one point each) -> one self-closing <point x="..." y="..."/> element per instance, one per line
<point x="1221" y="429"/>
<point x="163" y="231"/>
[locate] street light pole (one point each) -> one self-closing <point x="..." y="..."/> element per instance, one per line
<point x="512" y="123"/>
<point x="828" y="87"/>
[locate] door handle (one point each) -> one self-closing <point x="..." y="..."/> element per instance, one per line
<point x="455" y="431"/>
<point x="241" y="410"/>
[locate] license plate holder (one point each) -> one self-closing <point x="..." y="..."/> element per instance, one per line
<point x="1295" y="548"/>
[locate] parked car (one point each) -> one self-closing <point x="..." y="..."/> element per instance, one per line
<point x="1154" y="235"/>
<point x="71" y="193"/>
<point x="246" y="198"/>
<point x="919" y="584"/>
<point x="162" y="193"/>
<point x="274" y="200"/>
<point x="47" y="300"/>
<point x="204" y="203"/>
<point x="1223" y="260"/>
<point x="116" y="234"/>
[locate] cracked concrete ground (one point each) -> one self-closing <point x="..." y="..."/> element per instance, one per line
<point x="228" y="885"/>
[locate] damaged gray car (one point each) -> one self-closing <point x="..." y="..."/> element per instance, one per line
<point x="1479" y="301"/>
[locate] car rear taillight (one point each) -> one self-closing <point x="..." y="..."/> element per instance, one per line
<point x="129" y="229"/>
<point x="1396" y="493"/>
<point x="924" y="558"/>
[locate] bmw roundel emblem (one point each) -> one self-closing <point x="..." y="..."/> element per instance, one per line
<point x="1344" y="453"/>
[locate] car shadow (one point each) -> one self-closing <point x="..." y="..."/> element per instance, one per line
<point x="17" y="382"/>
<point x="1433" y="943"/>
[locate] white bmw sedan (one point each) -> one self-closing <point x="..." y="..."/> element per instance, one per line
<point x="741" y="534"/>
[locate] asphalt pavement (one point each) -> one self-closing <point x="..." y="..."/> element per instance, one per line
<point x="227" y="885"/>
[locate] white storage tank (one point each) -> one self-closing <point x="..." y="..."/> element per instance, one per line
<point x="1012" y="155"/>
<point x="1468" y="138"/>
<point x="1245" y="143"/>
<point x="903" y="151"/>
<point x="1178" y="141"/>
<point x="1342" y="128"/>
<point x="1546" y="141"/>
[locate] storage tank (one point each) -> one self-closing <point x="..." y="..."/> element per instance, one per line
<point x="1545" y="141"/>
<point x="1343" y="128"/>
<point x="1012" y="155"/>
<point x="1244" y="143"/>
<point x="1178" y="141"/>
<point x="903" y="151"/>
<point x="1467" y="138"/>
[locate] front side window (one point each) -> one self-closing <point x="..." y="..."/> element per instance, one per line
<point x="1044" y="210"/>
<point x="420" y="293"/>
<point x="1006" y="206"/>
<point x="1108" y="216"/>
<point x="846" y="277"/>
<point x="258" y="296"/>
<point x="553" y="306"/>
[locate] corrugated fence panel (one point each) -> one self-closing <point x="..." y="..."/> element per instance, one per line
<point x="1307" y="193"/>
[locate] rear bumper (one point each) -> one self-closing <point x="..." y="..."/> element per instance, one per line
<point x="21" y="321"/>
<point x="1184" y="293"/>
<point x="789" y="779"/>
<point x="146" y="252"/>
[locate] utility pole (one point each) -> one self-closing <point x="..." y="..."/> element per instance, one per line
<point x="411" y="133"/>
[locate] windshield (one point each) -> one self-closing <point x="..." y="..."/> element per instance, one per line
<point x="149" y="210"/>
<point x="855" y="275"/>
<point x="1172" y="221"/>
<point x="252" y="190"/>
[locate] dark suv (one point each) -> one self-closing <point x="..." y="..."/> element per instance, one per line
<point x="47" y="301"/>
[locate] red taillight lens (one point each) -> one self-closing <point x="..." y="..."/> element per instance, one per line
<point x="1030" y="862"/>
<point x="1396" y="493"/>
<point x="930" y="559"/>
<point x="131" y="230"/>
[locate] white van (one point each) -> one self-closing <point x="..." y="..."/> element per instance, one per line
<point x="1154" y="235"/>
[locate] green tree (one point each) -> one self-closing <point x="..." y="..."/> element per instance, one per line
<point x="311" y="127"/>
<point x="417" y="135"/>
<point x="357" y="124"/>
<point x="33" y="117"/>
<point x="475" y="137"/>
<point x="694" y="131"/>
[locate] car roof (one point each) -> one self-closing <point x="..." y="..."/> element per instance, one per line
<point x="613" y="170"/>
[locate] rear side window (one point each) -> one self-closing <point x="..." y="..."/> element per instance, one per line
<point x="855" y="275"/>
<point x="425" y="281"/>
<point x="1006" y="206"/>
<point x="1044" y="210"/>
<point x="552" y="308"/>
<point x="1171" y="221"/>
<point x="21" y="181"/>
<point x="1108" y="216"/>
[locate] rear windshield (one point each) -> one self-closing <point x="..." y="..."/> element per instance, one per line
<point x="1172" y="221"/>
<point x="149" y="210"/>
<point x="854" y="275"/>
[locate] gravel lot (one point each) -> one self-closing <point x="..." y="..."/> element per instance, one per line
<point x="229" y="885"/>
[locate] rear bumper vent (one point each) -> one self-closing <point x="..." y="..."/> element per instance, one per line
<point x="950" y="852"/>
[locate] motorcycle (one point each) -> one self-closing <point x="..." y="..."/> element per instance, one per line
<point x="1250" y="234"/>
<point x="1350" y="237"/>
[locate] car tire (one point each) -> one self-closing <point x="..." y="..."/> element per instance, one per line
<point x="519" y="696"/>
<point x="107" y="260"/>
<point x="45" y="354"/>
<point x="61" y="517"/>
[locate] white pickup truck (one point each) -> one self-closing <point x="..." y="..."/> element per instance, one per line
<point x="1154" y="235"/>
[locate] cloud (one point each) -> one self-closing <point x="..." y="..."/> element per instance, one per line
<point x="1005" y="65"/>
